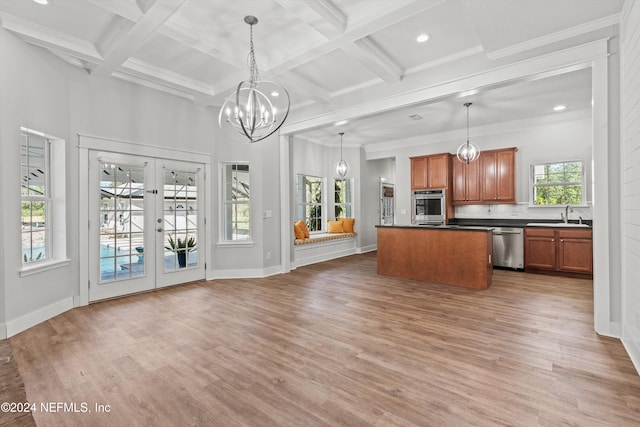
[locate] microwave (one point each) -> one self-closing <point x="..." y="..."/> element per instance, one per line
<point x="428" y="207"/>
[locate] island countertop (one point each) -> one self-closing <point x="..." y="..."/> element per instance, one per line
<point x="459" y="256"/>
<point x="440" y="227"/>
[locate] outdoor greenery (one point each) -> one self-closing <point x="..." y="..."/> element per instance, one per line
<point x="558" y="183"/>
<point x="309" y="193"/>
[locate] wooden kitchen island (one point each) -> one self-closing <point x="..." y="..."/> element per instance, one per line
<point x="453" y="255"/>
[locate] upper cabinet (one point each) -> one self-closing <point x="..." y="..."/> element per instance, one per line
<point x="430" y="172"/>
<point x="488" y="180"/>
<point x="497" y="169"/>
<point x="466" y="182"/>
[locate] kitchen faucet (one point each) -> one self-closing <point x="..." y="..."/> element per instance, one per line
<point x="565" y="215"/>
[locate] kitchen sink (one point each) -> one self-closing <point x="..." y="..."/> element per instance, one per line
<point x="556" y="224"/>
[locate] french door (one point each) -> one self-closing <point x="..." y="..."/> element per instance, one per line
<point x="146" y="226"/>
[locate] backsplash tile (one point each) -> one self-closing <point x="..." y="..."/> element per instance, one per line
<point x="521" y="210"/>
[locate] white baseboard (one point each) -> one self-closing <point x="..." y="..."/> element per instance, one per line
<point x="614" y="330"/>
<point x="40" y="315"/>
<point x="3" y="331"/>
<point x="365" y="249"/>
<point x="322" y="257"/>
<point x="633" y="350"/>
<point x="254" y="273"/>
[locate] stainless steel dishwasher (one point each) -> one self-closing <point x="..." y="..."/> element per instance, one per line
<point x="508" y="247"/>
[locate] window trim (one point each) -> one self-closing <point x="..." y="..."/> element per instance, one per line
<point x="222" y="241"/>
<point x="533" y="186"/>
<point x="349" y="204"/>
<point x="322" y="204"/>
<point x="56" y="194"/>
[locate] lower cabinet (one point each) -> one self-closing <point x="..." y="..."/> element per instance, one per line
<point x="558" y="250"/>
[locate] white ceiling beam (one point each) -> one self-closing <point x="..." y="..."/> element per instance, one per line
<point x="122" y="48"/>
<point x="125" y="8"/>
<point x="330" y="12"/>
<point x="356" y="30"/>
<point x="375" y="59"/>
<point x="51" y="39"/>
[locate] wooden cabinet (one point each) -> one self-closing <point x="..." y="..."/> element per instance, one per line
<point x="558" y="251"/>
<point x="430" y="172"/>
<point x="497" y="170"/>
<point x="466" y="182"/>
<point x="488" y="180"/>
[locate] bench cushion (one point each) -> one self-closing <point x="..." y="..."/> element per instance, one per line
<point x="316" y="238"/>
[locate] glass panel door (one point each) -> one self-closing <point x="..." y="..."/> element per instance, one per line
<point x="145" y="230"/>
<point x="122" y="229"/>
<point x="179" y="202"/>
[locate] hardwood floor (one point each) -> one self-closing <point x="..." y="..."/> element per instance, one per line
<point x="12" y="391"/>
<point x="335" y="344"/>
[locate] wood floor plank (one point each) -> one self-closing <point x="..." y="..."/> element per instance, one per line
<point x="335" y="344"/>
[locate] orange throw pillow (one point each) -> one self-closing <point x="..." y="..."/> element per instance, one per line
<point x="303" y="227"/>
<point x="335" y="227"/>
<point x="297" y="231"/>
<point x="347" y="225"/>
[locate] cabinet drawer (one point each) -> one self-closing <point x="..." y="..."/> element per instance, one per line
<point x="540" y="232"/>
<point x="574" y="234"/>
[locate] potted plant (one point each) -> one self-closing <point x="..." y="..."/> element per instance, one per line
<point x="182" y="247"/>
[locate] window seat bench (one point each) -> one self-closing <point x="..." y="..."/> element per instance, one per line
<point x="323" y="247"/>
<point x="323" y="237"/>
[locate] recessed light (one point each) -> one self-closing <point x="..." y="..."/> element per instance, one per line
<point x="559" y="107"/>
<point x="274" y="93"/>
<point x="341" y="122"/>
<point x="422" y="38"/>
<point x="42" y="1"/>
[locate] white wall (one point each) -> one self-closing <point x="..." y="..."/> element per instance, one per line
<point x="372" y="171"/>
<point x="319" y="160"/>
<point x="40" y="91"/>
<point x="630" y="107"/>
<point x="541" y="140"/>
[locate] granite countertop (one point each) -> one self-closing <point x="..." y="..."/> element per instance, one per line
<point x="498" y="222"/>
<point x="440" y="227"/>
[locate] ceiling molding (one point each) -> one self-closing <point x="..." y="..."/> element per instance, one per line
<point x="161" y="76"/>
<point x="548" y="64"/>
<point x="146" y="83"/>
<point x="578" y="30"/>
<point x="125" y="8"/>
<point x="310" y="90"/>
<point x="122" y="47"/>
<point x="356" y="87"/>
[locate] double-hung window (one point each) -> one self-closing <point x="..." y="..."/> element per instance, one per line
<point x="309" y="199"/>
<point x="35" y="197"/>
<point x="558" y="183"/>
<point x="342" y="198"/>
<point x="236" y="222"/>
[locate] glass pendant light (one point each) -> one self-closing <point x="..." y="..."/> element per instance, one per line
<point x="342" y="167"/>
<point x="468" y="152"/>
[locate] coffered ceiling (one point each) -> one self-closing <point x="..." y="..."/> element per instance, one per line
<point x="325" y="52"/>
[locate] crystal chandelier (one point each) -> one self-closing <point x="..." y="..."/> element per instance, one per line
<point x="468" y="152"/>
<point x="342" y="167"/>
<point x="257" y="108"/>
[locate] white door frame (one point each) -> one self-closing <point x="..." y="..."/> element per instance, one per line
<point x="87" y="143"/>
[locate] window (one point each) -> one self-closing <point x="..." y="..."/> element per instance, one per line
<point x="558" y="183"/>
<point x="36" y="197"/>
<point x="342" y="204"/>
<point x="309" y="201"/>
<point x="236" y="192"/>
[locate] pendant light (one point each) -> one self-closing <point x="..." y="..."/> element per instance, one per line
<point x="257" y="108"/>
<point x="342" y="167"/>
<point x="468" y="152"/>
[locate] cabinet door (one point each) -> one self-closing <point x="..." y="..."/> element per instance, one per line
<point x="488" y="172"/>
<point x="505" y="178"/>
<point x="437" y="171"/>
<point x="540" y="248"/>
<point x="473" y="181"/>
<point x="575" y="251"/>
<point x="466" y="182"/>
<point x="418" y="173"/>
